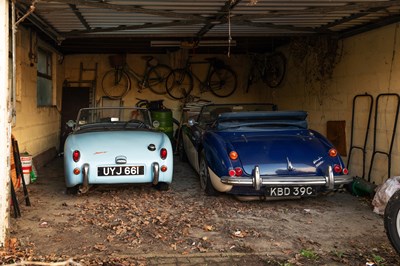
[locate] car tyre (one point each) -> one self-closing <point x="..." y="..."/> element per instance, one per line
<point x="72" y="190"/>
<point x="181" y="151"/>
<point x="392" y="220"/>
<point x="205" y="181"/>
<point x="162" y="186"/>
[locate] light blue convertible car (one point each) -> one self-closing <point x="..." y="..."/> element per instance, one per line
<point x="116" y="145"/>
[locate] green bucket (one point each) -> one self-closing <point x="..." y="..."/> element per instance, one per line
<point x="163" y="121"/>
<point x="362" y="188"/>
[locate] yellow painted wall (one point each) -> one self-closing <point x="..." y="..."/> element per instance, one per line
<point x="36" y="128"/>
<point x="366" y="63"/>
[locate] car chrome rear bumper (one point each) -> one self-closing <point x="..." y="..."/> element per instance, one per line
<point x="156" y="173"/>
<point x="329" y="180"/>
<point x="84" y="187"/>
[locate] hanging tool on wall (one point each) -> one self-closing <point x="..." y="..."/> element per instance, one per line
<point x="32" y="47"/>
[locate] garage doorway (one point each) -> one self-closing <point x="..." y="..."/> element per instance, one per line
<point x="73" y="99"/>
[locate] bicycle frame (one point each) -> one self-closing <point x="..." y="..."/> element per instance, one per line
<point x="140" y="79"/>
<point x="220" y="79"/>
<point x="116" y="82"/>
<point x="204" y="86"/>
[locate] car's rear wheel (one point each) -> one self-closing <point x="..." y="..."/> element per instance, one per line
<point x="162" y="186"/>
<point x="205" y="181"/>
<point x="72" y="190"/>
<point x="181" y="151"/>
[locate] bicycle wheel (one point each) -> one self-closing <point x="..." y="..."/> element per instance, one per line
<point x="222" y="82"/>
<point x="254" y="75"/>
<point x="156" y="78"/>
<point x="179" y="84"/>
<point x="275" y="70"/>
<point x="116" y="83"/>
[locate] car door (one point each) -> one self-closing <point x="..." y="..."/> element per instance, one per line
<point x="191" y="138"/>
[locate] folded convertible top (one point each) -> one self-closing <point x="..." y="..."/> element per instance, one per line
<point x="273" y="118"/>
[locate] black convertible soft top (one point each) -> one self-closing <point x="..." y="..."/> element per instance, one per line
<point x="265" y="118"/>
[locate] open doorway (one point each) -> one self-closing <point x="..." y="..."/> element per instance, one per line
<point x="73" y="99"/>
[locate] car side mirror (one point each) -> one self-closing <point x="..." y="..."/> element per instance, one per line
<point x="192" y="122"/>
<point x="71" y="123"/>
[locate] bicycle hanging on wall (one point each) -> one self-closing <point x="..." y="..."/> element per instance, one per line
<point x="116" y="82"/>
<point x="220" y="80"/>
<point x="269" y="68"/>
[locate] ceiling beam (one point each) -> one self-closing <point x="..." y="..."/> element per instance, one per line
<point x="370" y="26"/>
<point x="221" y="17"/>
<point x="78" y="14"/>
<point x="352" y="17"/>
<point x="40" y="24"/>
<point x="306" y="30"/>
<point x="79" y="33"/>
<point x="129" y="8"/>
<point x="354" y="7"/>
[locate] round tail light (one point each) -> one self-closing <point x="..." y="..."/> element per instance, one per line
<point x="164" y="168"/>
<point x="233" y="155"/>
<point x="238" y="171"/>
<point x="77" y="171"/>
<point x="337" y="168"/>
<point x="345" y="171"/>
<point x="232" y="173"/>
<point x="333" y="152"/>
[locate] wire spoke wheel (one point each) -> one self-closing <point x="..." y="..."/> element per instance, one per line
<point x="179" y="84"/>
<point x="223" y="82"/>
<point x="205" y="181"/>
<point x="116" y="83"/>
<point x="157" y="77"/>
<point x="275" y="70"/>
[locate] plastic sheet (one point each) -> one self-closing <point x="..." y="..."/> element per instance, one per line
<point x="383" y="194"/>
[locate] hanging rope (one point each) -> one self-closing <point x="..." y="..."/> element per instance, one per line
<point x="229" y="33"/>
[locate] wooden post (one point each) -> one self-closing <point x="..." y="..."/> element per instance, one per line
<point x="5" y="123"/>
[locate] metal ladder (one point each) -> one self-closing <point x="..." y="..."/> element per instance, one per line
<point x="91" y="83"/>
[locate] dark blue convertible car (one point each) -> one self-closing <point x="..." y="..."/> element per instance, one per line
<point x="252" y="149"/>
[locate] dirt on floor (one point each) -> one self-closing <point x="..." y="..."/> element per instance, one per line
<point x="133" y="225"/>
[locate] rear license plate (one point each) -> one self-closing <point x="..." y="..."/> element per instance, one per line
<point x="120" y="170"/>
<point x="290" y="191"/>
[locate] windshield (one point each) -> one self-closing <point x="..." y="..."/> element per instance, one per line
<point x="210" y="113"/>
<point x="87" y="116"/>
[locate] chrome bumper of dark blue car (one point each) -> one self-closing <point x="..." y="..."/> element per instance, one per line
<point x="329" y="180"/>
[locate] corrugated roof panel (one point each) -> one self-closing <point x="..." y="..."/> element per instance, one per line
<point x="223" y="30"/>
<point x="208" y="18"/>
